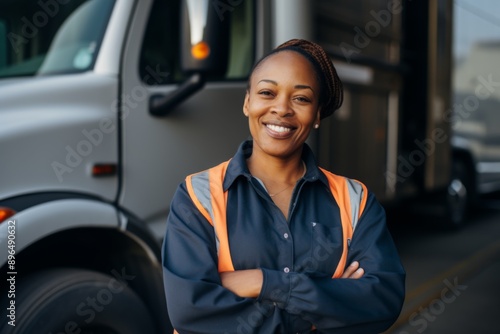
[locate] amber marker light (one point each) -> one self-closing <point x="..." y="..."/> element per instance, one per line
<point x="200" y="50"/>
<point x="6" y="213"/>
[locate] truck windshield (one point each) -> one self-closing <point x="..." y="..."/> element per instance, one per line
<point x="51" y="37"/>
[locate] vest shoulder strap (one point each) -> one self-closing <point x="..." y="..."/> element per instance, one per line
<point x="206" y="191"/>
<point x="351" y="197"/>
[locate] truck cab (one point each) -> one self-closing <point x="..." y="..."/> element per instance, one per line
<point x="95" y="140"/>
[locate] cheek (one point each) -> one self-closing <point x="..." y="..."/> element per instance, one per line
<point x="309" y="116"/>
<point x="253" y="119"/>
<point x="256" y="105"/>
<point x="255" y="110"/>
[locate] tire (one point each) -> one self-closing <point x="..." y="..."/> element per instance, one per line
<point x="77" y="301"/>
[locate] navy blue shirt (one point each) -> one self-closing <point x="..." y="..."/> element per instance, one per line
<point x="297" y="256"/>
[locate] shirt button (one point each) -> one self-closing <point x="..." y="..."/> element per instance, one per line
<point x="286" y="270"/>
<point x="285" y="235"/>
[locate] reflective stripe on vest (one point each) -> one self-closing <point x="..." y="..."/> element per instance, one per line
<point x="206" y="191"/>
<point x="351" y="196"/>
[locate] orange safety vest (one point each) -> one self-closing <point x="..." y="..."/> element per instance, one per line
<point x="206" y="191"/>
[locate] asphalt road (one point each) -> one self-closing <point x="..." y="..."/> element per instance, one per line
<point x="453" y="277"/>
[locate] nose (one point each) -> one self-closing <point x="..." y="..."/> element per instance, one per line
<point x="282" y="107"/>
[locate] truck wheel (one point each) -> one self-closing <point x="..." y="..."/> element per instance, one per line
<point x="76" y="301"/>
<point x="458" y="195"/>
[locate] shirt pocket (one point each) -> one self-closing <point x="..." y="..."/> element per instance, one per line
<point x="325" y="249"/>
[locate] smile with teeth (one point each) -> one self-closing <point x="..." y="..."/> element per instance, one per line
<point x="277" y="128"/>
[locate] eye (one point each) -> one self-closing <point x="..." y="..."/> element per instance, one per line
<point x="266" y="93"/>
<point x="303" y="99"/>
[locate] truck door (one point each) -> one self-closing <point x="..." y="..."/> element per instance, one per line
<point x="158" y="152"/>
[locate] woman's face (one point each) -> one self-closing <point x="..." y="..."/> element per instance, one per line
<point x="282" y="104"/>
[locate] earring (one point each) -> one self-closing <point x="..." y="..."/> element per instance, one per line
<point x="316" y="126"/>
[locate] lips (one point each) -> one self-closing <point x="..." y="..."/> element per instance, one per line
<point x="279" y="130"/>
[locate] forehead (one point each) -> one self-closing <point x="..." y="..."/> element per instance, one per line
<point x="286" y="64"/>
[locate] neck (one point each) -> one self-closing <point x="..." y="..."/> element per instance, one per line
<point x="279" y="170"/>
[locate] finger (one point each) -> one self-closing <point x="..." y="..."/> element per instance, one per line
<point x="351" y="269"/>
<point x="225" y="277"/>
<point x="358" y="274"/>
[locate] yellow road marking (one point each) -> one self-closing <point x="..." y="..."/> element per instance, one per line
<point x="464" y="268"/>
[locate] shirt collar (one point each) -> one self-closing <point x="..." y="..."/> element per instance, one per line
<point x="238" y="166"/>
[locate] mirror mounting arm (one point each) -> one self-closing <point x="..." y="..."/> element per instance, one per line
<point x="161" y="105"/>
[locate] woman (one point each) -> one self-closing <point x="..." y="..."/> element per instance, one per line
<point x="276" y="264"/>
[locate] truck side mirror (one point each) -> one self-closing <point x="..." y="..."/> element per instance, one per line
<point x="204" y="38"/>
<point x="204" y="48"/>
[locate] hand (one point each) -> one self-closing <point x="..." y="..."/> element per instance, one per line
<point x="243" y="283"/>
<point x="353" y="271"/>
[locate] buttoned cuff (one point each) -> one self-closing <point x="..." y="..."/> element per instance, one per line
<point x="276" y="287"/>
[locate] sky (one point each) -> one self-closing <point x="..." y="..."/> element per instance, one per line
<point x="475" y="20"/>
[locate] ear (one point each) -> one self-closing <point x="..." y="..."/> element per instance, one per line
<point x="318" y="116"/>
<point x="245" y="104"/>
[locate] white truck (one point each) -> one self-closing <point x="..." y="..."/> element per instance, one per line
<point x="106" y="105"/>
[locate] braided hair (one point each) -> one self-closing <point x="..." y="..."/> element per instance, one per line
<point x="331" y="91"/>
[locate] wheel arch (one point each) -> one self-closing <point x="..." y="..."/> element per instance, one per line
<point x="89" y="234"/>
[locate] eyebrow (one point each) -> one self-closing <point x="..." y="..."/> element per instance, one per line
<point x="268" y="81"/>
<point x="304" y="87"/>
<point x="296" y="86"/>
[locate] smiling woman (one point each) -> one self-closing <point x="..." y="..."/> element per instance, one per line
<point x="282" y="104"/>
<point x="269" y="242"/>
